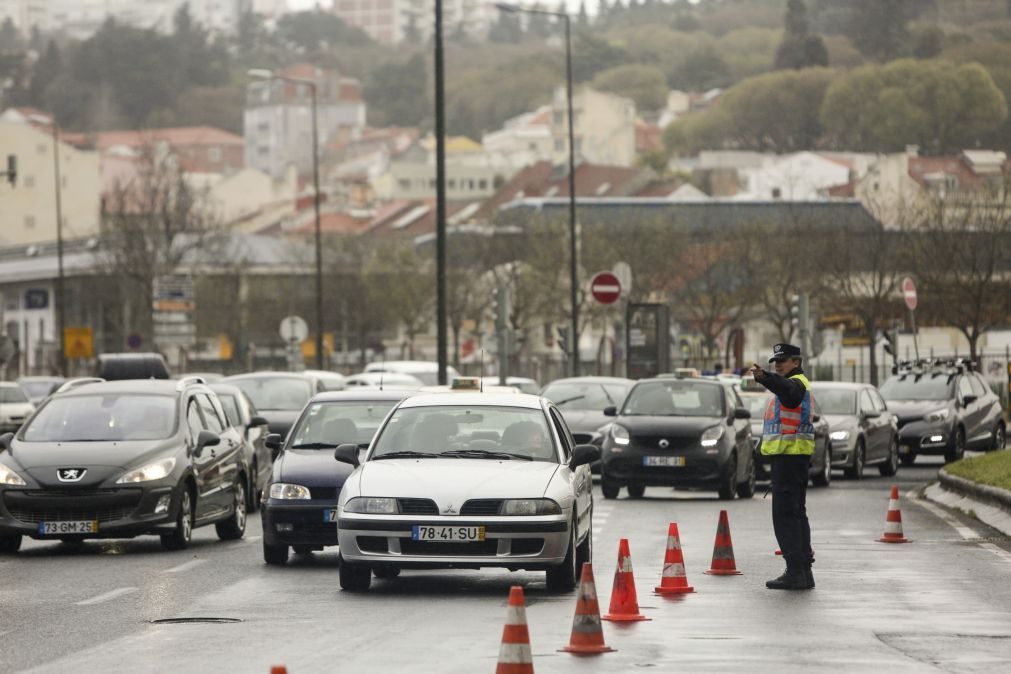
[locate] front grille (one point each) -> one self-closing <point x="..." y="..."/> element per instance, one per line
<point x="484" y="548"/>
<point x="317" y="528"/>
<point x="372" y="544"/>
<point x="674" y="443"/>
<point x="417" y="506"/>
<point x="324" y="493"/>
<point x="527" y="546"/>
<point x="36" y="516"/>
<point x="104" y="505"/>
<point x="481" y="506"/>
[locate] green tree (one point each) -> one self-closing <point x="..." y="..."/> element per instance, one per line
<point x="592" y="54"/>
<point x="800" y="48"/>
<point x="397" y="93"/>
<point x="506" y="28"/>
<point x="317" y="31"/>
<point x="46" y="71"/>
<point x="879" y="29"/>
<point x="646" y="85"/>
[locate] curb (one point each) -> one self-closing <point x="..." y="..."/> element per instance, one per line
<point x="980" y="492"/>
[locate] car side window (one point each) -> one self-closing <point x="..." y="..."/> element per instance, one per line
<point x="964" y="388"/>
<point x="211" y="418"/>
<point x="563" y="433"/>
<point x="866" y="404"/>
<point x="879" y="402"/>
<point x="194" y="423"/>
<point x="979" y="388"/>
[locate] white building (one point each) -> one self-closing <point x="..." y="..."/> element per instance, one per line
<point x="522" y="140"/>
<point x="604" y="130"/>
<point x="389" y="21"/>
<point x="24" y="13"/>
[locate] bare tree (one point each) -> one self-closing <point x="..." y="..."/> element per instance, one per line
<point x="405" y="281"/>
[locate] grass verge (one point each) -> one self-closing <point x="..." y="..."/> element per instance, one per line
<point x="993" y="469"/>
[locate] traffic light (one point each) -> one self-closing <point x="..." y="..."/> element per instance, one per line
<point x="563" y="338"/>
<point x="890" y="347"/>
<point x="12" y="168"/>
<point x="800" y="319"/>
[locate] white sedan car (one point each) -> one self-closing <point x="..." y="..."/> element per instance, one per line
<point x="467" y="480"/>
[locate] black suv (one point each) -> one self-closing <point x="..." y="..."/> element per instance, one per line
<point x="122" y="459"/>
<point x="943" y="407"/>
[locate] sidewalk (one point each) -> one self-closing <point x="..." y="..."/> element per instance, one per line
<point x="990" y="505"/>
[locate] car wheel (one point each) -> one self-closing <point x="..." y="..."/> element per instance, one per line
<point x="824" y="476"/>
<point x="746" y="489"/>
<point x="275" y="555"/>
<point x="609" y="489"/>
<point x="354" y="577"/>
<point x="908" y="459"/>
<point x="957" y="451"/>
<point x="386" y="572"/>
<point x="180" y="538"/>
<point x="10" y="543"/>
<point x="727" y="488"/>
<point x="235" y="526"/>
<point x="856" y="471"/>
<point x="999" y="437"/>
<point x="562" y="578"/>
<point x="636" y="490"/>
<point x="253" y="492"/>
<point x="891" y="465"/>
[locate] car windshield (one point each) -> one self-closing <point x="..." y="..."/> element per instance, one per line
<point x="231" y="409"/>
<point x="677" y="398"/>
<point x="585" y="395"/>
<point x="757" y="404"/>
<point x="928" y="386"/>
<point x="12" y="394"/>
<point x="93" y="418"/>
<point x="36" y="389"/>
<point x="836" y="400"/>
<point x="276" y="393"/>
<point x="330" y="424"/>
<point x="467" y="432"/>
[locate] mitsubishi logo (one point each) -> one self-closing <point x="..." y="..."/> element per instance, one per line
<point x="664" y="444"/>
<point x="450" y="510"/>
<point x="70" y="474"/>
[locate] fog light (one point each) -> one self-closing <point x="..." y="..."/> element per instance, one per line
<point x="285" y="527"/>
<point x="163" y="504"/>
<point x="936" y="438"/>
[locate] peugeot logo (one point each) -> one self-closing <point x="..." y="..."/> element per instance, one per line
<point x="71" y="474"/>
<point x="664" y="444"/>
<point x="450" y="510"/>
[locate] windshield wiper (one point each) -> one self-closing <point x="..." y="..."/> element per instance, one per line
<point x="609" y="398"/>
<point x="485" y="454"/>
<point x="315" y="445"/>
<point x="569" y="400"/>
<point x="406" y="454"/>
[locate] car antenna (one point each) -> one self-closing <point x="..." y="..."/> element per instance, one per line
<point x="480" y="379"/>
<point x="382" y="371"/>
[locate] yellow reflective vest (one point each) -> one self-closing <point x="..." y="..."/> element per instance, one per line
<point x="788" y="430"/>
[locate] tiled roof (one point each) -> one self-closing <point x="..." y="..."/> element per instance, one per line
<point x="648" y="137"/>
<point x="921" y="168"/>
<point x="178" y="136"/>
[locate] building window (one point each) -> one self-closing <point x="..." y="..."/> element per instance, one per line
<point x="452" y="183"/>
<point x="482" y="184"/>
<point x="404" y="184"/>
<point x="776" y="193"/>
<point x="29" y="222"/>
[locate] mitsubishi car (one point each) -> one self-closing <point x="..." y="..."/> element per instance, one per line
<point x="468" y="480"/>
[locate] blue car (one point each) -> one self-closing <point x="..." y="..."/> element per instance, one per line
<point x="300" y="498"/>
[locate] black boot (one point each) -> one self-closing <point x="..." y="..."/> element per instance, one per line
<point x="808" y="577"/>
<point x="793" y="578"/>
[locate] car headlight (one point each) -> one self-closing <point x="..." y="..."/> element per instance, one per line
<point x="712" y="436"/>
<point x="937" y="415"/>
<point x="289" y="492"/>
<point x="530" y="506"/>
<point x="371" y="505"/>
<point x="839" y="435"/>
<point x="9" y="477"/>
<point x="152" y="471"/>
<point x="619" y="434"/>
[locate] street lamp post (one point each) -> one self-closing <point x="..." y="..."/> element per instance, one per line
<point x="58" y="299"/>
<point x="271" y="75"/>
<point x="573" y="234"/>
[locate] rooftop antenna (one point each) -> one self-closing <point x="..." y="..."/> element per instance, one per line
<point x="480" y="379"/>
<point x="382" y="372"/>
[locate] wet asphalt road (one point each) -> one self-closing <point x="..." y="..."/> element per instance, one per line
<point x="940" y="604"/>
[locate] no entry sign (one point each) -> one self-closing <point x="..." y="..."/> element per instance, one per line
<point x="909" y="293"/>
<point x="605" y="287"/>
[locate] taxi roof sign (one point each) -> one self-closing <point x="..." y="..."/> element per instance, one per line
<point x="466" y="384"/>
<point x="749" y="384"/>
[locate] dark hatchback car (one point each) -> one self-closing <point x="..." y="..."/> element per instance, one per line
<point x="757" y="401"/>
<point x="252" y="428"/>
<point x="864" y="430"/>
<point x="300" y="499"/>
<point x="943" y="407"/>
<point x="123" y="459"/>
<point x="582" y="401"/>
<point x="681" y="433"/>
<point x="278" y="396"/>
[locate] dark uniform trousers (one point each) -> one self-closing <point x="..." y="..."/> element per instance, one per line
<point x="789" y="508"/>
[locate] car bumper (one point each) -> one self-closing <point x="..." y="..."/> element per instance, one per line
<point x="510" y="542"/>
<point x="919" y="438"/>
<point x="298" y="523"/>
<point x="700" y="469"/>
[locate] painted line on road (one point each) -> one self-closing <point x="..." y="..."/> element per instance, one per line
<point x="187" y="566"/>
<point x="108" y="596"/>
<point x="965" y="532"/>
<point x="252" y="539"/>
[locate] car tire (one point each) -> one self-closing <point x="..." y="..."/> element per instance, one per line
<point x="233" y="528"/>
<point x="908" y="459"/>
<point x="856" y="471"/>
<point x="562" y="578"/>
<point x="275" y="555"/>
<point x="727" y="488"/>
<point x="609" y="489"/>
<point x="957" y="450"/>
<point x="636" y="490"/>
<point x="10" y="543"/>
<point x="746" y="489"/>
<point x="180" y="538"/>
<point x="999" y="437"/>
<point x="386" y="572"/>
<point x="823" y="478"/>
<point x="354" y="577"/>
<point x="891" y="465"/>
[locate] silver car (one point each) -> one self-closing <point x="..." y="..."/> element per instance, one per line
<point x="467" y="480"/>
<point x="864" y="431"/>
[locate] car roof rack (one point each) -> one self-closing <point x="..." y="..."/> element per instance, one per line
<point x="189" y="381"/>
<point x="936" y="365"/>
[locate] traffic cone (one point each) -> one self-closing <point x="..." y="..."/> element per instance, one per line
<point x="893" y="520"/>
<point x="278" y="669"/>
<point x="624" y="604"/>
<point x="587" y="634"/>
<point x="674" y="580"/>
<point x="723" y="552"/>
<point x="514" y="655"/>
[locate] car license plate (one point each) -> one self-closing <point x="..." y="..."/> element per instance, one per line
<point x="330" y="515"/>
<point x="59" y="528"/>
<point x="447" y="534"/>
<point x="665" y="461"/>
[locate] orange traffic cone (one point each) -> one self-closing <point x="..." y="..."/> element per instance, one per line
<point x="587" y="635"/>
<point x="893" y="520"/>
<point x="624" y="603"/>
<point x="723" y="552"/>
<point x="278" y="669"/>
<point x="674" y="580"/>
<point x="514" y="655"/>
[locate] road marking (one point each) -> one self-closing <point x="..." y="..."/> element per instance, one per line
<point x="108" y="596"/>
<point x="963" y="531"/>
<point x="187" y="566"/>
<point x="252" y="539"/>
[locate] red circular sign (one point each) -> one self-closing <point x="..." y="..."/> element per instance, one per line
<point x="605" y="287"/>
<point x="909" y="293"/>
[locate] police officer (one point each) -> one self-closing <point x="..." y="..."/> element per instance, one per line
<point x="788" y="441"/>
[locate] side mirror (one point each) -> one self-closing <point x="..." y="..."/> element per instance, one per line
<point x="610" y="411"/>
<point x="5" y="441"/>
<point x="347" y="453"/>
<point x="273" y="443"/>
<point x="872" y="414"/>
<point x="257" y="421"/>
<point x="815" y="418"/>
<point x="969" y="399"/>
<point x="742" y="413"/>
<point x="584" y="454"/>
<point x="205" y="439"/>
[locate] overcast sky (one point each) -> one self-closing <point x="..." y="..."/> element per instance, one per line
<point x="309" y="4"/>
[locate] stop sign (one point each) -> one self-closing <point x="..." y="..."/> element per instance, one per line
<point x="909" y="293"/>
<point x="605" y="287"/>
